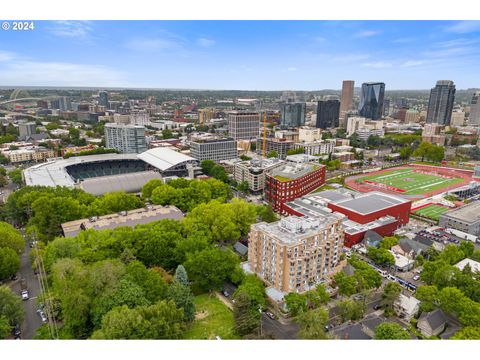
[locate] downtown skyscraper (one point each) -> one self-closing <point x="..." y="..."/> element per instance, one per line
<point x="475" y="110"/>
<point x="328" y="114"/>
<point x="292" y="115"/>
<point x="371" y="100"/>
<point x="346" y="101"/>
<point x="440" y="104"/>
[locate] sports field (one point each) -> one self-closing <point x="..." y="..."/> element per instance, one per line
<point x="431" y="211"/>
<point x="409" y="181"/>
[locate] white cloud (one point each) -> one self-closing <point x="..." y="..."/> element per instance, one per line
<point x="33" y="73"/>
<point x="464" y="27"/>
<point x="319" y="39"/>
<point x="366" y="33"/>
<point x="411" y="63"/>
<point x="6" y="55"/>
<point x="152" y="44"/>
<point x="378" y="65"/>
<point x="72" y="29"/>
<point x="204" y="42"/>
<point x="292" y="68"/>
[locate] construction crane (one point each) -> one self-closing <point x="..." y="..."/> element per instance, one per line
<point x="264" y="147"/>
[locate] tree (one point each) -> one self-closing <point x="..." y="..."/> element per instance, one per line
<point x="255" y="289"/>
<point x="467" y="248"/>
<point x="452" y="254"/>
<point x="266" y="213"/>
<point x="11" y="238"/>
<point x="351" y="310"/>
<point x="467" y="333"/>
<point x="5" y="327"/>
<point x="406" y="152"/>
<point x="246" y="315"/>
<point x="16" y="176"/>
<point x="296" y="303"/>
<point x="209" y="268"/>
<point x="390" y="294"/>
<point x="428" y="295"/>
<point x="390" y="331"/>
<point x="181" y="275"/>
<point x="380" y="256"/>
<point x="9" y="263"/>
<point x="388" y="242"/>
<point x="207" y="166"/>
<point x="11" y="307"/>
<point x="182" y="296"/>
<point x="148" y="188"/>
<point x="312" y="324"/>
<point x="272" y="154"/>
<point x="346" y="284"/>
<point x="159" y="321"/>
<point x="374" y="141"/>
<point x="243" y="186"/>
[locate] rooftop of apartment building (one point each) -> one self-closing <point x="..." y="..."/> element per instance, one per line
<point x="261" y="164"/>
<point x="293" y="229"/>
<point x="125" y="218"/>
<point x="208" y="137"/>
<point x="292" y="171"/>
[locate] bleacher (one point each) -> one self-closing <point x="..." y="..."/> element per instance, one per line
<point x="105" y="168"/>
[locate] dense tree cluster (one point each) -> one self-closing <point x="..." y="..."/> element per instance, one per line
<point x="11" y="311"/>
<point x="96" y="151"/>
<point x="390" y="331"/>
<point x="44" y="209"/>
<point x="11" y="246"/>
<point x="380" y="256"/>
<point x="364" y="278"/>
<point x="216" y="171"/>
<point x="186" y="194"/>
<point x="106" y="282"/>
<point x="429" y="151"/>
<point x="299" y="303"/>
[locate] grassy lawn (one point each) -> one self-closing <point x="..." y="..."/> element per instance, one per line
<point x="213" y="319"/>
<point x="323" y="188"/>
<point x="282" y="178"/>
<point x="413" y="183"/>
<point x="431" y="211"/>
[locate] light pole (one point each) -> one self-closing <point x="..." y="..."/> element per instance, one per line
<point x="260" y="311"/>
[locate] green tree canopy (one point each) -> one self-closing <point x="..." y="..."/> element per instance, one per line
<point x="9" y="263"/>
<point x="312" y="324"/>
<point x="390" y="331"/>
<point x="11" y="307"/>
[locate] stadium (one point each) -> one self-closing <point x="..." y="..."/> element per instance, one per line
<point x="412" y="181"/>
<point x="98" y="174"/>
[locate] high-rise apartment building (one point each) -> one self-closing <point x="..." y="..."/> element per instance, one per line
<point x="296" y="254"/>
<point x="103" y="98"/>
<point x="243" y="125"/>
<point x="64" y="103"/>
<point x="215" y="149"/>
<point x="440" y="104"/>
<point x="328" y="113"/>
<point x="371" y="100"/>
<point x="412" y="116"/>
<point x="125" y="138"/>
<point x="139" y="118"/>
<point x="474" y="118"/>
<point x="458" y="118"/>
<point x="292" y="115"/>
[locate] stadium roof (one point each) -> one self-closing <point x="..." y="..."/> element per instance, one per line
<point x="371" y="202"/>
<point x="53" y="173"/>
<point x="131" y="182"/>
<point x="164" y="158"/>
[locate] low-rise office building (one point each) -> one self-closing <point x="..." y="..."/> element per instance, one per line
<point x="124" y="218"/>
<point x="280" y="146"/>
<point x="465" y="218"/>
<point x="216" y="149"/>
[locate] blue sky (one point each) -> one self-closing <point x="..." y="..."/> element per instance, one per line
<point x="252" y="55"/>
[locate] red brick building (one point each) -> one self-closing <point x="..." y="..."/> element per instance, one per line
<point x="292" y="181"/>
<point x="380" y="212"/>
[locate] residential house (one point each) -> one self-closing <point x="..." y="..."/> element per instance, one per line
<point x="406" y="307"/>
<point x="432" y="323"/>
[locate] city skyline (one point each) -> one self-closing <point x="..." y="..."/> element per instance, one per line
<point x="230" y="55"/>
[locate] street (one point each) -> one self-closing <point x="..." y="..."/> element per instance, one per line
<point x="32" y="320"/>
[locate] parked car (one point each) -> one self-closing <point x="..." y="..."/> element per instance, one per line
<point x="42" y="315"/>
<point x="377" y="307"/>
<point x="25" y="295"/>
<point x="226" y="293"/>
<point x="416" y="277"/>
<point x="17" y="332"/>
<point x="271" y="315"/>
